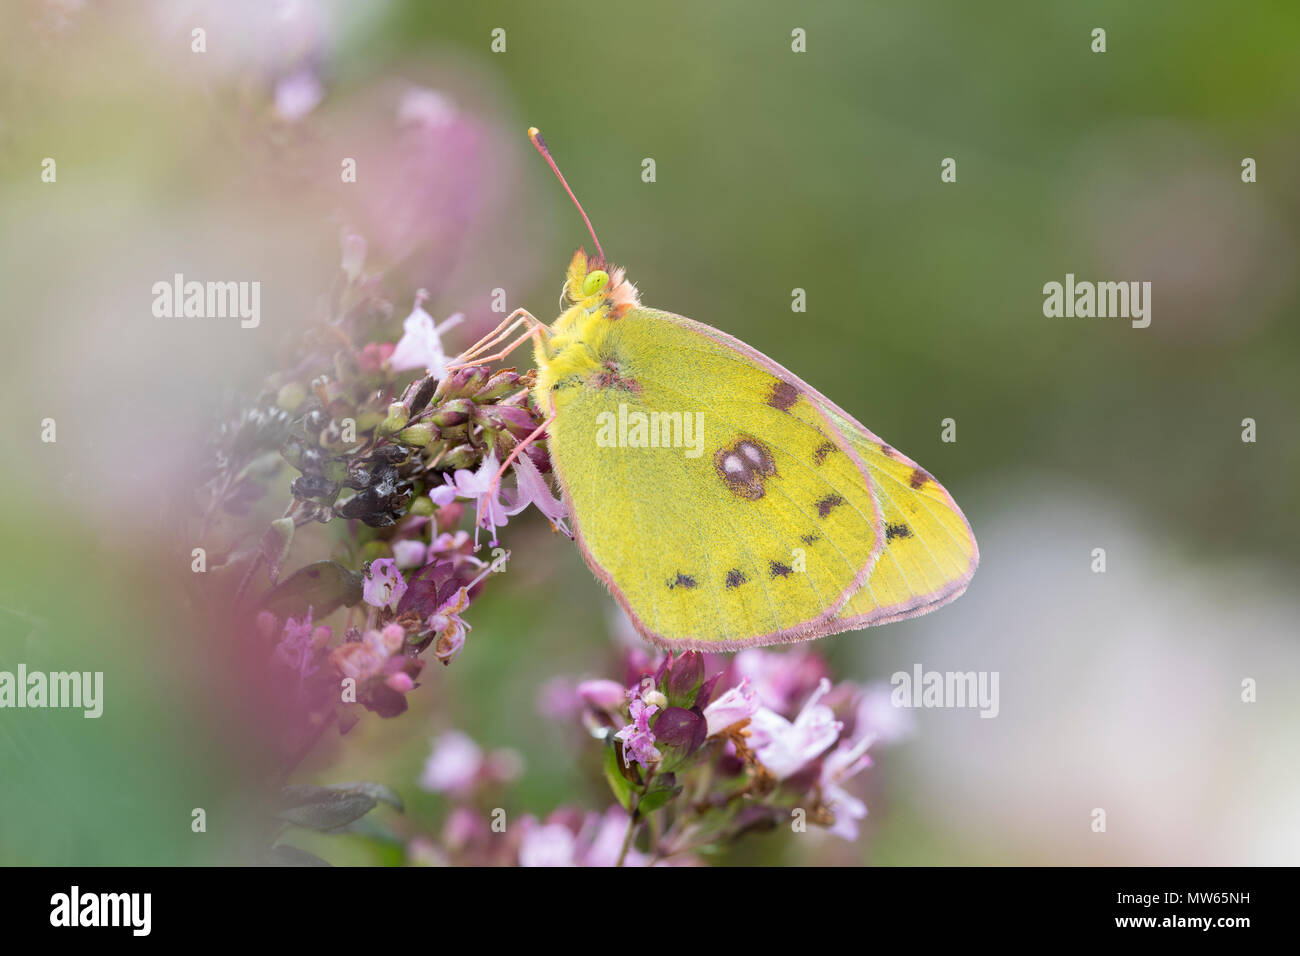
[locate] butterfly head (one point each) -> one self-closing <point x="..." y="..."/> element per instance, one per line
<point x="595" y="287"/>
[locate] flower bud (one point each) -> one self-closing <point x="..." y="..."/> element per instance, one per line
<point x="455" y="412"/>
<point x="509" y="418"/>
<point x="462" y="456"/>
<point x="418" y="435"/>
<point x="684" y="678"/>
<point x="498" y="386"/>
<point x="678" y="734"/>
<point x="291" y="396"/>
<point x="461" y="383"/>
<point x="396" y="420"/>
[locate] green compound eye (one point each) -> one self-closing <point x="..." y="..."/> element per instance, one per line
<point x="595" y="282"/>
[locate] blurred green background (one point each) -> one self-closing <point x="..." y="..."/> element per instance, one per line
<point x="775" y="170"/>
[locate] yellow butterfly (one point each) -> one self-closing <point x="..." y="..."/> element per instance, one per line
<point x="723" y="500"/>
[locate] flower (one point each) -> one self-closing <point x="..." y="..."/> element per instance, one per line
<point x="454" y="764"/>
<point x="354" y="257"/>
<point x="299" y="642"/>
<point x="409" y="554"/>
<point x="547" y="844"/>
<point x="449" y="628"/>
<point x="637" y="737"/>
<point x="532" y="489"/>
<point x="373" y="356"/>
<point x="601" y="840"/>
<point x="297" y="94"/>
<point x="421" y="343"/>
<point x="384" y="584"/>
<point x="847" y="760"/>
<point x="780" y="680"/>
<point x="364" y="659"/>
<point x="482" y="488"/>
<point x="457" y="765"/>
<point x="602" y="694"/>
<point x="877" y="712"/>
<point x="784" y="747"/>
<point x="738" y="704"/>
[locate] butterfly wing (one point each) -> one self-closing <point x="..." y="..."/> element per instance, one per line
<point x="929" y="554"/>
<point x="757" y="528"/>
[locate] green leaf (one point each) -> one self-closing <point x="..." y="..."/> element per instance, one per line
<point x="323" y="586"/>
<point x="621" y="786"/>
<point x="284" y="855"/>
<point x="321" y="808"/>
<point x="655" y="799"/>
<point x="376" y="791"/>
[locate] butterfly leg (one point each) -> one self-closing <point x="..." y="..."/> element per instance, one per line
<point x="534" y="333"/>
<point x="515" y="452"/>
<point x="499" y="334"/>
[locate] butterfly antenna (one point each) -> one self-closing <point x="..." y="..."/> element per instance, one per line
<point x="536" y="137"/>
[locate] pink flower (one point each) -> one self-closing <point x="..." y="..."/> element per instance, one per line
<point x="602" y="694"/>
<point x="373" y="356"/>
<point x="637" y="737"/>
<point x="876" y="712"/>
<point x="408" y="554"/>
<point x="601" y="840"/>
<point x="478" y="486"/>
<point x="364" y="659"/>
<point x="784" y="747"/>
<point x="847" y="760"/>
<point x="421" y="343"/>
<point x="780" y="680"/>
<point x="450" y="629"/>
<point x="297" y="94"/>
<point x="532" y="489"/>
<point x="547" y="844"/>
<point x="737" y="704"/>
<point x="453" y="766"/>
<point x="384" y="584"/>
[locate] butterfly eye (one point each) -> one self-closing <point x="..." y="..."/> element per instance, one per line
<point x="595" y="282"/>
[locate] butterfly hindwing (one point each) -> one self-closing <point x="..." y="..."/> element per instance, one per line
<point x="755" y="528"/>
<point x="929" y="555"/>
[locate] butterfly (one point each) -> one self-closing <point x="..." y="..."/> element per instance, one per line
<point x="724" y="501"/>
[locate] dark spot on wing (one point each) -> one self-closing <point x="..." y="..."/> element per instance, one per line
<point x="887" y="450"/>
<point x="810" y="538"/>
<point x="744" y="466"/>
<point x="919" y="477"/>
<point x="682" y="581"/>
<point x="826" y="504"/>
<point x="783" y="395"/>
<point x="611" y="376"/>
<point x="735" y="578"/>
<point x="897" y="531"/>
<point x="781" y="570"/>
<point x="824" y="449"/>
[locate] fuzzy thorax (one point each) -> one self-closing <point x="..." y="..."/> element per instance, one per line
<point x="574" y="347"/>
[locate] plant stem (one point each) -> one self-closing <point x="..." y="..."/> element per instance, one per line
<point x="632" y="820"/>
